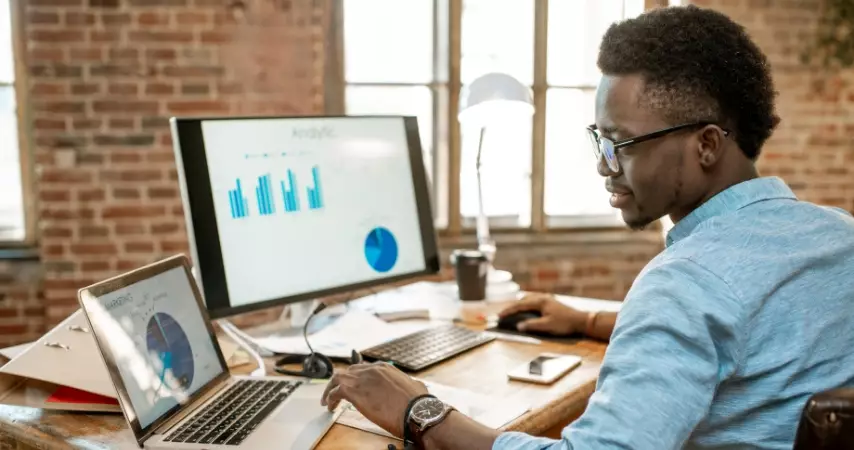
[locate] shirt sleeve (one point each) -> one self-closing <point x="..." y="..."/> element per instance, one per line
<point x="675" y="340"/>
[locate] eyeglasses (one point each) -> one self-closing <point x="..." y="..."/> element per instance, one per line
<point x="604" y="147"/>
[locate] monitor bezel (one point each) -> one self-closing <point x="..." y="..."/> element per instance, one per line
<point x="94" y="292"/>
<point x="197" y="199"/>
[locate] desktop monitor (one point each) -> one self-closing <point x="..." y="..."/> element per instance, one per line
<point x="286" y="209"/>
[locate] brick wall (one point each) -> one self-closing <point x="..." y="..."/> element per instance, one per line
<point x="105" y="74"/>
<point x="104" y="77"/>
<point x="813" y="147"/>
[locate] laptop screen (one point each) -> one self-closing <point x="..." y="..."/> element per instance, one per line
<point x="158" y="340"/>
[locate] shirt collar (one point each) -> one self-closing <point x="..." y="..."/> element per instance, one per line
<point x="731" y="199"/>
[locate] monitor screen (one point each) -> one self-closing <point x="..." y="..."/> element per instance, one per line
<point x="157" y="340"/>
<point x="286" y="209"/>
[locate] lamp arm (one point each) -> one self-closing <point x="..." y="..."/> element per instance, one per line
<point x="484" y="241"/>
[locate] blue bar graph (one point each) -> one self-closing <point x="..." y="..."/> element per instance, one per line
<point x="237" y="202"/>
<point x="315" y="194"/>
<point x="289" y="194"/>
<point x="264" y="194"/>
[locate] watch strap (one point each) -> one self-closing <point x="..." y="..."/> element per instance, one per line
<point x="407" y="435"/>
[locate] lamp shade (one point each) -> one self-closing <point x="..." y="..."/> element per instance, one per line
<point x="494" y="98"/>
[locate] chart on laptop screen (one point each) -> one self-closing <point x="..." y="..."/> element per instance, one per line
<point x="306" y="204"/>
<point x="160" y="342"/>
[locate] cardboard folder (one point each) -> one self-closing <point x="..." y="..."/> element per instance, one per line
<point x="64" y="370"/>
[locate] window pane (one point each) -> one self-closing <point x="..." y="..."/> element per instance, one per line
<point x="505" y="172"/>
<point x="7" y="74"/>
<point x="498" y="36"/>
<point x="575" y="31"/>
<point x="404" y="100"/>
<point x="11" y="200"/>
<point x="572" y="184"/>
<point x="388" y="41"/>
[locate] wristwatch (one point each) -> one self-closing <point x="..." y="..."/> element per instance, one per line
<point x="425" y="413"/>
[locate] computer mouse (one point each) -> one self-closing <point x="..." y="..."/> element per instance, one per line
<point x="509" y="322"/>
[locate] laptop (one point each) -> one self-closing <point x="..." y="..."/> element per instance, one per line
<point x="172" y="381"/>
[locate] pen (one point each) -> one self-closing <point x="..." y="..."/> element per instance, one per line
<point x="514" y="338"/>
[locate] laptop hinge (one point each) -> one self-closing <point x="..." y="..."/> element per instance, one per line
<point x="193" y="407"/>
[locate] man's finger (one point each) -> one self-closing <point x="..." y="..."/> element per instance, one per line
<point x="533" y="303"/>
<point x="538" y="324"/>
<point x="332" y="384"/>
<point x="333" y="398"/>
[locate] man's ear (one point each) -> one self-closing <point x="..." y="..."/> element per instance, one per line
<point x="710" y="148"/>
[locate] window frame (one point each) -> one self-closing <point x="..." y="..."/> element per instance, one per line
<point x="19" y="86"/>
<point x="447" y="162"/>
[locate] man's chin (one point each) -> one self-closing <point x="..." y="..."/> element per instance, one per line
<point x="635" y="221"/>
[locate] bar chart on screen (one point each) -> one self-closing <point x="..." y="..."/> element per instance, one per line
<point x="286" y="199"/>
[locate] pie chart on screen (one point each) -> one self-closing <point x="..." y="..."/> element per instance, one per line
<point x="381" y="249"/>
<point x="168" y="343"/>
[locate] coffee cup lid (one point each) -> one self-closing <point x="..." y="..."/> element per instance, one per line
<point x="467" y="253"/>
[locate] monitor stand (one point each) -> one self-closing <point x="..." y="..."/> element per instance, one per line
<point x="293" y="318"/>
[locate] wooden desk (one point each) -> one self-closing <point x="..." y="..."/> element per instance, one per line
<point x="481" y="370"/>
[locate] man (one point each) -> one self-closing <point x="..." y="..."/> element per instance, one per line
<point x="745" y="314"/>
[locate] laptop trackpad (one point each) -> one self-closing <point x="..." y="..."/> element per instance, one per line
<point x="299" y="424"/>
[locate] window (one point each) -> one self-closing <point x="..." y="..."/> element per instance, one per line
<point x="414" y="58"/>
<point x="12" y="226"/>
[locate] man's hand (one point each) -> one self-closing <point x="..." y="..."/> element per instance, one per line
<point x="557" y="318"/>
<point x="379" y="391"/>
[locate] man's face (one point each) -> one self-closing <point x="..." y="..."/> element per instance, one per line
<point x="655" y="176"/>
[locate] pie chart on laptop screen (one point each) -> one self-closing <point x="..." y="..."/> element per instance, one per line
<point x="381" y="249"/>
<point x="168" y="345"/>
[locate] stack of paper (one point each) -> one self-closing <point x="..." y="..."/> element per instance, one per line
<point x="355" y="330"/>
<point x="481" y="408"/>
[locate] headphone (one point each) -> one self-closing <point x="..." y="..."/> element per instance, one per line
<point x="315" y="365"/>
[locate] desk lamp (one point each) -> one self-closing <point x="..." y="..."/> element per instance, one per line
<point x="492" y="100"/>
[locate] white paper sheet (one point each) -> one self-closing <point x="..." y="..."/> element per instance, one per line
<point x="12" y="352"/>
<point x="482" y="408"/>
<point x="356" y="330"/>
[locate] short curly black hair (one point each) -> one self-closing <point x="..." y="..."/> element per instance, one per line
<point x="697" y="64"/>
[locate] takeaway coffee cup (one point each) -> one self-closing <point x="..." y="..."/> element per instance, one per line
<point x="471" y="268"/>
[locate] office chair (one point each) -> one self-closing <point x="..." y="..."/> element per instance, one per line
<point x="827" y="421"/>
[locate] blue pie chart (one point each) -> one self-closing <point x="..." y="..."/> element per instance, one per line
<point x="381" y="249"/>
<point x="167" y="342"/>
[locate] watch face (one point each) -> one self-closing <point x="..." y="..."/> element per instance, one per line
<point x="427" y="409"/>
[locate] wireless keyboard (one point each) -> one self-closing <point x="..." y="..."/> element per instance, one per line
<point x="422" y="349"/>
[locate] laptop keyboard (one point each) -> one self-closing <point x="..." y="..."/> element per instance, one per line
<point x="230" y="418"/>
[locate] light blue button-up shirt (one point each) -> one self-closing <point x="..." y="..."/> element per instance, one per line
<point x="725" y="334"/>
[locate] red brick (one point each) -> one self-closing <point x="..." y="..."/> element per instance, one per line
<point x="86" y="54"/>
<point x="56" y="36"/>
<point x="85" y="88"/>
<point x="86" y="124"/>
<point x="172" y="37"/>
<point x="149" y="18"/>
<point x="120" y="123"/>
<point x="123" y="89"/>
<point x="216" y="37"/>
<point x="193" y="18"/>
<point x="139" y="247"/>
<point x="94" y="266"/>
<point x="46" y="195"/>
<point x="130" y="107"/>
<point x="165" y="228"/>
<point x="129" y="229"/>
<point x="75" y="18"/>
<point x="54" y="175"/>
<point x="42" y="18"/>
<point x="135" y="175"/>
<point x="197" y="107"/>
<point x="91" y="195"/>
<point x="59" y="107"/>
<point x="162" y="192"/>
<point x="43" y="124"/>
<point x="125" y="157"/>
<point x="174" y="246"/>
<point x="126" y="193"/>
<point x="157" y="88"/>
<point x="133" y="212"/>
<point x="57" y="231"/>
<point x="41" y="54"/>
<point x="193" y="71"/>
<point x="161" y="54"/>
<point x="115" y="19"/>
<point x="105" y="36"/>
<point x="94" y="249"/>
<point x="123" y="54"/>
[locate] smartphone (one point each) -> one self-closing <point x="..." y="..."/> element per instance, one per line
<point x="545" y="368"/>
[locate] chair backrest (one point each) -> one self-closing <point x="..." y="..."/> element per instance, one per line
<point x="827" y="421"/>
